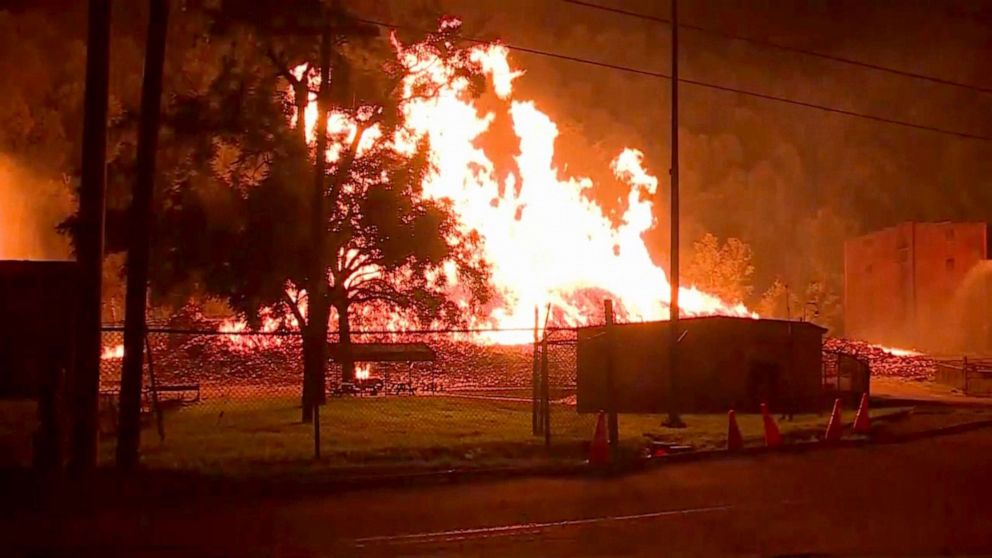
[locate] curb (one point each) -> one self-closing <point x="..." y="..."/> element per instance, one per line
<point x="935" y="432"/>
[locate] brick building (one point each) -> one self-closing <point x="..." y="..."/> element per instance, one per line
<point x="920" y="285"/>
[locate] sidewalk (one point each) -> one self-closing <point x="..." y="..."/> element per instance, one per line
<point x="903" y="390"/>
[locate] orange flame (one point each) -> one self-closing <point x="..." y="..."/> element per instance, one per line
<point x="546" y="239"/>
<point x="895" y="351"/>
<point x="241" y="338"/>
<point x="112" y="352"/>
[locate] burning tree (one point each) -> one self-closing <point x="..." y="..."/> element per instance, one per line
<point x="334" y="227"/>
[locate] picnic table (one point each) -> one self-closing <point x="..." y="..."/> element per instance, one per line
<point x="404" y="388"/>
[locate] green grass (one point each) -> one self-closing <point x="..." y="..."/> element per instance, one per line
<point x="239" y="435"/>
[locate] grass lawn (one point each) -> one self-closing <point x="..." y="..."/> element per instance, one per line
<point x="242" y="435"/>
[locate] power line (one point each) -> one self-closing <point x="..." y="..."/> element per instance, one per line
<point x="845" y="112"/>
<point x="698" y="83"/>
<point x="785" y="48"/>
<point x="518" y="48"/>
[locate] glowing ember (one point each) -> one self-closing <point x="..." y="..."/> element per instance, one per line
<point x="363" y="371"/>
<point x="112" y="352"/>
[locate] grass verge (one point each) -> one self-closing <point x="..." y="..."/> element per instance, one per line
<point x="246" y="437"/>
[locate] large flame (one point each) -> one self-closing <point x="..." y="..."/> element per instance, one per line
<point x="547" y="241"/>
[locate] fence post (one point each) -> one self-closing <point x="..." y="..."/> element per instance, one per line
<point x="613" y="423"/>
<point x="964" y="371"/>
<point x="153" y="385"/>
<point x="536" y="426"/>
<point x="316" y="431"/>
<point x="545" y="390"/>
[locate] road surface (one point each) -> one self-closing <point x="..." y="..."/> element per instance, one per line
<point x="931" y="496"/>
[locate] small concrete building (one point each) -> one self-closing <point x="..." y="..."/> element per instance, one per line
<point x="921" y="286"/>
<point x="724" y="363"/>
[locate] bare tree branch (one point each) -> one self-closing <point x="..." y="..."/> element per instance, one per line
<point x="295" y="309"/>
<point x="282" y="69"/>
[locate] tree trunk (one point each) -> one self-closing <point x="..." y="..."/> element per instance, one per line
<point x="315" y="349"/>
<point x="314" y="358"/>
<point x="85" y="379"/>
<point x="129" y="422"/>
<point x="301" y="98"/>
<point x="344" y="344"/>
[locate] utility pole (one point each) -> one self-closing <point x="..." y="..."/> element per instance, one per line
<point x="674" y="420"/>
<point x="85" y="382"/>
<point x="129" y="430"/>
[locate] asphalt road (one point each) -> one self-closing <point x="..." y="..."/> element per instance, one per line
<point x="931" y="496"/>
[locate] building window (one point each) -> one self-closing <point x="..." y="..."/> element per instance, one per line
<point x="949" y="264"/>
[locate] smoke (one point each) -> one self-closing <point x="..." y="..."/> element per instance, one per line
<point x="30" y="209"/>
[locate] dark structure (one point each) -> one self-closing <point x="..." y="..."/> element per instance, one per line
<point x="724" y="363"/>
<point x="385" y="352"/>
<point x="38" y="305"/>
<point x="920" y="285"/>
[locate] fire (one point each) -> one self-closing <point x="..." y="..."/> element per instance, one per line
<point x="112" y="352"/>
<point x="241" y="338"/>
<point x="363" y="371"/>
<point x="894" y="351"/>
<point x="547" y="241"/>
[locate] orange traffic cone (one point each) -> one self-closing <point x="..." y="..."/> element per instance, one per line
<point x="773" y="437"/>
<point x="734" y="439"/>
<point x="862" y="422"/>
<point x="599" y="450"/>
<point x="834" y="427"/>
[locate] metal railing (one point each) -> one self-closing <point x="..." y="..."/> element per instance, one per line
<point x="972" y="376"/>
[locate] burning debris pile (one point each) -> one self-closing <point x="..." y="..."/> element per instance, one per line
<point x="886" y="361"/>
<point x="214" y="360"/>
<point x="548" y="242"/>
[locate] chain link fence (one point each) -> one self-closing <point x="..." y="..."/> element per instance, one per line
<point x="437" y="398"/>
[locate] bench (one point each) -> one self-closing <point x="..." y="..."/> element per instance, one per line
<point x="403" y="388"/>
<point x="184" y="393"/>
<point x="345" y="388"/>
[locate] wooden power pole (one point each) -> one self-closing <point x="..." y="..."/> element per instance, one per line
<point x="85" y="379"/>
<point x="129" y="429"/>
<point x="673" y="367"/>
